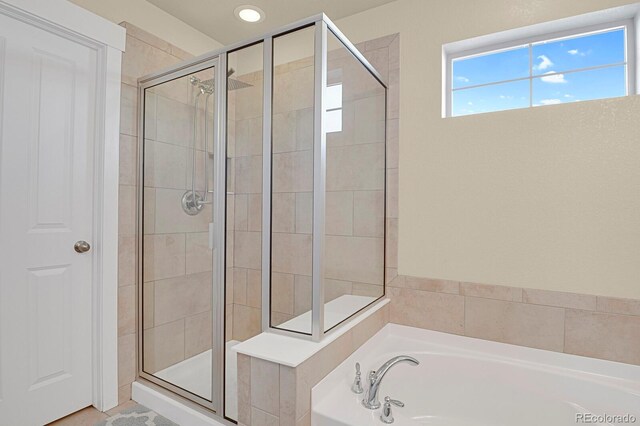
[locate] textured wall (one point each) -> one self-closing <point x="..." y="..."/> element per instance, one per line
<point x="542" y="198"/>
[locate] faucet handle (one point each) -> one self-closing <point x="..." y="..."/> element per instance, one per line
<point x="372" y="377"/>
<point x="394" y="402"/>
<point x="387" y="414"/>
<point x="357" y="382"/>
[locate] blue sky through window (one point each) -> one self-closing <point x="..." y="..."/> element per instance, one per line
<point x="545" y="73"/>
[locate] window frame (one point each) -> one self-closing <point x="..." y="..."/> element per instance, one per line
<point x="629" y="24"/>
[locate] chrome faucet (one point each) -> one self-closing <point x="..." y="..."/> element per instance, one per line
<point x="370" y="400"/>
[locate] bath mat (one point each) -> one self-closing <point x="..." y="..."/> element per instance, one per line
<point x="138" y="415"/>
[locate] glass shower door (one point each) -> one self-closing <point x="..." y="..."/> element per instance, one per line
<point x="178" y="296"/>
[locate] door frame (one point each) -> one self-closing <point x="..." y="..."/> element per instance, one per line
<point x="74" y="23"/>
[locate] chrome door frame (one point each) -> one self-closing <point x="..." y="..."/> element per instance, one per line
<point x="218" y="62"/>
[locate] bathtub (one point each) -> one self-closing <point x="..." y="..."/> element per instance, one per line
<point x="465" y="381"/>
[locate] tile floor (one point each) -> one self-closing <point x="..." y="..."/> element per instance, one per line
<point x="90" y="416"/>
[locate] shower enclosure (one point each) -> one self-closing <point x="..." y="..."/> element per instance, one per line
<point x="262" y="203"/>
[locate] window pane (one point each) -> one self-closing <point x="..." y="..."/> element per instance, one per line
<point x="580" y="86"/>
<point x="497" y="97"/>
<point x="579" y="52"/>
<point x="354" y="223"/>
<point x="333" y="121"/>
<point x="333" y="99"/>
<point x="491" y="68"/>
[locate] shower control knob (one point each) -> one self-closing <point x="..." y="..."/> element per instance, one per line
<point x="82" y="246"/>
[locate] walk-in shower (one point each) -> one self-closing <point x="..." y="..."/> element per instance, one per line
<point x="263" y="203"/>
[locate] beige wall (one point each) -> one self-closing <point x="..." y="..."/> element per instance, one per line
<point x="154" y="20"/>
<point x="544" y="198"/>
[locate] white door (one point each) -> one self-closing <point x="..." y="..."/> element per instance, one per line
<point x="47" y="131"/>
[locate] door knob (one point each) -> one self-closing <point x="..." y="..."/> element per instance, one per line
<point x="82" y="247"/>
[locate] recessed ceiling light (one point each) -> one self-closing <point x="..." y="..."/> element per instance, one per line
<point x="249" y="13"/>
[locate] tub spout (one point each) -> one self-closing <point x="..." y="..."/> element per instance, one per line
<point x="371" y="400"/>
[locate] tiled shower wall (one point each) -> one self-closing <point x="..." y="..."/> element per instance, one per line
<point x="144" y="54"/>
<point x="292" y="187"/>
<point x="291" y="199"/>
<point x="355" y="204"/>
<point x="177" y="263"/>
<point x="244" y="209"/>
<point x="355" y="176"/>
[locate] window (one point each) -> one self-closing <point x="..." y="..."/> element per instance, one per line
<point x="593" y="63"/>
<point x="333" y="115"/>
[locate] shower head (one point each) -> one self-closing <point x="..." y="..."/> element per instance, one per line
<point x="207" y="86"/>
<point x="232" y="84"/>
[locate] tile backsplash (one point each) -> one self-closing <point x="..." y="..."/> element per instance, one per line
<point x="598" y="327"/>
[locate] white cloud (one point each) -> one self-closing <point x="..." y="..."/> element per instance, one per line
<point x="544" y="64"/>
<point x="553" y="78"/>
<point x="509" y="97"/>
<point x="470" y="103"/>
<point x="568" y="96"/>
<point x="577" y="52"/>
<point x="462" y="79"/>
<point x="550" y="101"/>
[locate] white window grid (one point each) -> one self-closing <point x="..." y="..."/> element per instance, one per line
<point x="629" y="62"/>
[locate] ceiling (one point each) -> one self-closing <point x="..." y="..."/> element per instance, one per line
<point x="216" y="18"/>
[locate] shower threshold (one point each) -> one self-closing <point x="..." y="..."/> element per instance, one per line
<point x="194" y="375"/>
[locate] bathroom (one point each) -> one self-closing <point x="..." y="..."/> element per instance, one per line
<point x="319" y="213"/>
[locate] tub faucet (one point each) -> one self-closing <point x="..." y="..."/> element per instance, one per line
<point x="370" y="400"/>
